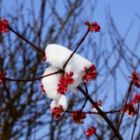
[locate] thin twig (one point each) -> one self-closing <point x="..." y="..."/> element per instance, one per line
<point x="98" y="137"/>
<point x="86" y="98"/>
<point x="127" y="97"/>
<point x="91" y="112"/>
<point x="84" y="104"/>
<point x="78" y="45"/>
<point x="135" y="124"/>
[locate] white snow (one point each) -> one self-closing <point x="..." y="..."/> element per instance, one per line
<point x="57" y="55"/>
<point x="61" y="101"/>
<point x="50" y="83"/>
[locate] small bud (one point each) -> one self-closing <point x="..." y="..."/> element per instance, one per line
<point x="4" y="25"/>
<point x="136" y="79"/>
<point x="90" y="131"/>
<point x="2" y="76"/>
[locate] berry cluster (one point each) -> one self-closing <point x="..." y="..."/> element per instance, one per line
<point x="4" y="25"/>
<point x="130" y="109"/>
<point x="56" y="112"/>
<point x="93" y="27"/>
<point x="90" y="73"/>
<point x="78" y="116"/>
<point x="64" y="81"/>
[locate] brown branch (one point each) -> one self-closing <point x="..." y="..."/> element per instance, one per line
<point x="91" y="112"/>
<point x="101" y="113"/>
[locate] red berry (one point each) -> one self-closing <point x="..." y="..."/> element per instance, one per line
<point x="90" y="131"/>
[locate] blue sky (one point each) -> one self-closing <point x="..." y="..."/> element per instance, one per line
<point x="123" y="11"/>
